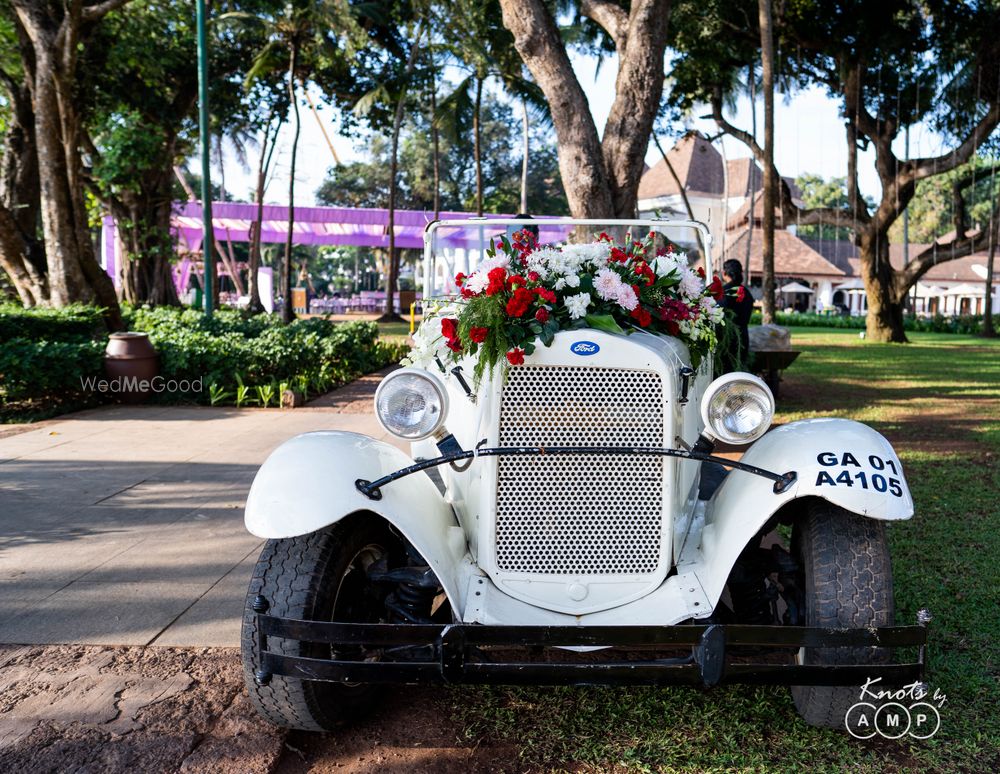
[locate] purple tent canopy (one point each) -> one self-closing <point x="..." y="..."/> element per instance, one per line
<point x="313" y="225"/>
<point x="356" y="226"/>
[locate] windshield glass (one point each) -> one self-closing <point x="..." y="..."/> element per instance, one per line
<point x="454" y="247"/>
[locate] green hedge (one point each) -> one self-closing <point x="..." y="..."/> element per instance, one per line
<point x="965" y="324"/>
<point x="236" y="358"/>
<point x="76" y="321"/>
<point x="32" y="369"/>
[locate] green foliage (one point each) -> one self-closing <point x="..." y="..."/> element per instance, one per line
<point x="963" y="324"/>
<point x="932" y="211"/>
<point x="237" y="358"/>
<point x="819" y="192"/>
<point x="74" y="321"/>
<point x="31" y="369"/>
<point x="366" y="183"/>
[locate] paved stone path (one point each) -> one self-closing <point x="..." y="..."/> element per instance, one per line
<point x="124" y="525"/>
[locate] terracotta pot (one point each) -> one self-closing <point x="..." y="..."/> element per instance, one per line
<point x="131" y="363"/>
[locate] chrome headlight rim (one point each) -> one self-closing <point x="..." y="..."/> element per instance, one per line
<point x="438" y="387"/>
<point x="725" y="381"/>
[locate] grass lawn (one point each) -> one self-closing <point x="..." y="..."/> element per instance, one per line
<point x="938" y="401"/>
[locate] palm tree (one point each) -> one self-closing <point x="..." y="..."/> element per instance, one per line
<point x="485" y="48"/>
<point x="296" y="36"/>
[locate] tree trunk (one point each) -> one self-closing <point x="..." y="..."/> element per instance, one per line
<point x="74" y="273"/>
<point x="435" y="138"/>
<point x="286" y="267"/>
<point x="885" y="305"/>
<point x="600" y="177"/>
<point x="751" y="170"/>
<point x="767" y="62"/>
<point x="389" y="315"/>
<point x="22" y="255"/>
<point x="988" y="330"/>
<point x="477" y="150"/>
<point x="255" y="305"/>
<point x="581" y="162"/>
<point x="525" y="150"/>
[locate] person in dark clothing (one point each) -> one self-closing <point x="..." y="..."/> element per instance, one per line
<point x="738" y="299"/>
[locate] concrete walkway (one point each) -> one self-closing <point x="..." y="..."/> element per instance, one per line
<point x="124" y="525"/>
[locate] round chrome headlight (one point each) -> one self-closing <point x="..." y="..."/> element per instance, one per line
<point x="411" y="403"/>
<point x="737" y="408"/>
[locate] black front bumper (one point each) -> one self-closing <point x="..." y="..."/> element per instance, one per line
<point x="460" y="653"/>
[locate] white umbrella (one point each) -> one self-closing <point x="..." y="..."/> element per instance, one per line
<point x="928" y="291"/>
<point x="965" y="289"/>
<point x="856" y="283"/>
<point x="795" y="287"/>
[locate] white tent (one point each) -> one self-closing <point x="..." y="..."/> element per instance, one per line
<point x="965" y="289"/>
<point x="795" y="287"/>
<point x="928" y="291"/>
<point x="855" y="283"/>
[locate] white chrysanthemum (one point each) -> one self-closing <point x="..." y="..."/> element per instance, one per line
<point x="577" y="305"/>
<point x="572" y="281"/>
<point x="560" y="283"/>
<point x="608" y="284"/>
<point x="479" y="279"/>
<point x="691" y="284"/>
<point x="627" y="298"/>
<point x="542" y="261"/>
<point x="595" y="253"/>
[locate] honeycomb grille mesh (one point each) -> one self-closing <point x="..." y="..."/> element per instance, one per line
<point x="579" y="515"/>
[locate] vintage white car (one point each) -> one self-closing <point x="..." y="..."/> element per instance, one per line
<point x="569" y="524"/>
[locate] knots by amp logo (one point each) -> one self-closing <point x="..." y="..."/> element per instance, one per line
<point x="894" y="713"/>
<point x="585" y="348"/>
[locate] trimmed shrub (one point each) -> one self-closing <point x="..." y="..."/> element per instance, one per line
<point x="34" y="370"/>
<point x="76" y="321"/>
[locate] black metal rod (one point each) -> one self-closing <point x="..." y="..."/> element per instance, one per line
<point x="608" y="636"/>
<point x="371" y="488"/>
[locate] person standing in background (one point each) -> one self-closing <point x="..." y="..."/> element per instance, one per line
<point x="737" y="298"/>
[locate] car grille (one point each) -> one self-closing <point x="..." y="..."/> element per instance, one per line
<point x="579" y="515"/>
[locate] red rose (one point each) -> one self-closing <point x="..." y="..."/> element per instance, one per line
<point x="542" y="315"/>
<point x="716" y="289"/>
<point x="520" y="302"/>
<point x="478" y="335"/>
<point x="449" y="327"/>
<point x="740" y="293"/>
<point x="516" y="356"/>
<point x="497" y="278"/>
<point x="454" y="345"/>
<point x="642" y="269"/>
<point x="641" y="316"/>
<point x="701" y="272"/>
<point x="546" y="295"/>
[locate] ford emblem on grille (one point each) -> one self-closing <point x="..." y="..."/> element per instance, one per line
<point x="584" y="348"/>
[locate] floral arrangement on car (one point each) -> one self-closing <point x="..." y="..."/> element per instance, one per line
<point x="525" y="293"/>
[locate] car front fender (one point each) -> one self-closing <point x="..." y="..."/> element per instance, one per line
<point x="308" y="483"/>
<point x="845" y="462"/>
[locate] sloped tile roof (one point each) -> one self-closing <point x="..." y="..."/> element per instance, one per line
<point x="698" y="166"/>
<point x="844" y="255"/>
<point x="792" y="256"/>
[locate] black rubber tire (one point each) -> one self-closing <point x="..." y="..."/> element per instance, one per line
<point x="848" y="583"/>
<point x="302" y="577"/>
